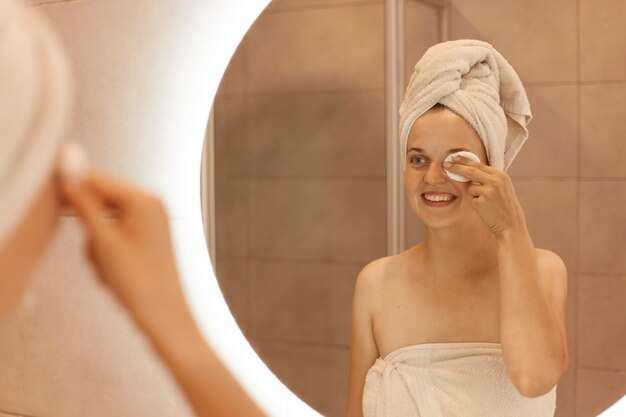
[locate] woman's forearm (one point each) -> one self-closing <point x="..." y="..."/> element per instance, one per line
<point x="531" y="341"/>
<point x="211" y="390"/>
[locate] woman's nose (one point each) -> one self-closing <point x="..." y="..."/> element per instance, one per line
<point x="435" y="173"/>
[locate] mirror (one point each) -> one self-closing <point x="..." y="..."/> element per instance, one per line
<point x="302" y="193"/>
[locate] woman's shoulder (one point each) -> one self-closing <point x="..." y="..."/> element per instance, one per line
<point x="377" y="272"/>
<point x="548" y="260"/>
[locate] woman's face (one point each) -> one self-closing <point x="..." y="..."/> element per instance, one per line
<point x="434" y="136"/>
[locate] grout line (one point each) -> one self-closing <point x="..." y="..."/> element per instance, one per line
<point x="600" y="275"/>
<point x="577" y="178"/>
<point x="302" y="343"/>
<point x="578" y="183"/>
<point x="306" y="261"/>
<point x="382" y="178"/>
<point x="287" y="93"/>
<point x="602" y="369"/>
<point x="307" y="177"/>
<point x="291" y="260"/>
<point x="316" y="7"/>
<point x="572" y="83"/>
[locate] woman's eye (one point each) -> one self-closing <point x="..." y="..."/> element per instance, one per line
<point x="416" y="157"/>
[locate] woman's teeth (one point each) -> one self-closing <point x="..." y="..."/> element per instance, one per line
<point x="433" y="197"/>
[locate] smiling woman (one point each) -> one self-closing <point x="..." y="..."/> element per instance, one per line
<point x="476" y="271"/>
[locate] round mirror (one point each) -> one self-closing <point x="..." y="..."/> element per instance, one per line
<point x="299" y="193"/>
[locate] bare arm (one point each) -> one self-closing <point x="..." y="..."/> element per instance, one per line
<point x="533" y="305"/>
<point x="132" y="254"/>
<point x="207" y="384"/>
<point x="363" y="350"/>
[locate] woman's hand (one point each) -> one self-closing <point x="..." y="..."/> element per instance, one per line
<point x="494" y="199"/>
<point x="130" y="246"/>
<point x="128" y="242"/>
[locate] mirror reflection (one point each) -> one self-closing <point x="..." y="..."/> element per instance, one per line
<point x="303" y="203"/>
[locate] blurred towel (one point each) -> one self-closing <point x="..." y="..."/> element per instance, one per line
<point x="472" y="79"/>
<point x="448" y="380"/>
<point x="34" y="103"/>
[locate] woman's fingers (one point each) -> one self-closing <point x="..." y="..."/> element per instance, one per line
<point x="89" y="207"/>
<point x="116" y="193"/>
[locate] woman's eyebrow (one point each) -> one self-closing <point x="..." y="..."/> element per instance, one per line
<point x="449" y="150"/>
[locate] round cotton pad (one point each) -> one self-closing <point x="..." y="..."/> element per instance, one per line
<point x="73" y="161"/>
<point x="457" y="177"/>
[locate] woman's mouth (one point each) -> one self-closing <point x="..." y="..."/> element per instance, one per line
<point x="438" y="200"/>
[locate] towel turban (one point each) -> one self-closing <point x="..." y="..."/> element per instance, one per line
<point x="473" y="80"/>
<point x="34" y="104"/>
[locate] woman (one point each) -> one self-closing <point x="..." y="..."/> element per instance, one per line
<point x="131" y="251"/>
<point x="470" y="321"/>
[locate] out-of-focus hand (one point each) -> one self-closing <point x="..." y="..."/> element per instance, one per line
<point x="129" y="245"/>
<point x="128" y="242"/>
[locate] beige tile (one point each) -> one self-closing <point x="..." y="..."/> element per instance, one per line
<point x="233" y="278"/>
<point x="232" y="218"/>
<point x="565" y="395"/>
<point x="232" y="159"/>
<point x="325" y="49"/>
<point x="602" y="320"/>
<point x="332" y="220"/>
<point x="74" y="349"/>
<point x="549" y="215"/>
<point x="602" y="227"/>
<point x="317" y="134"/>
<point x="302" y="302"/>
<point x="603" y="130"/>
<point x="602" y="40"/>
<point x="316" y="374"/>
<point x="551" y="149"/>
<point x="598" y="390"/>
<point x="414" y="230"/>
<point x="292" y="4"/>
<point x="537" y="38"/>
<point x="421" y="30"/>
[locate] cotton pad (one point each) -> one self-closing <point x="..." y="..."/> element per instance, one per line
<point x="457" y="177"/>
<point x="73" y="161"/>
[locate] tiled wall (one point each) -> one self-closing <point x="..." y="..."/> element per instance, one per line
<point x="571" y="57"/>
<point x="300" y="185"/>
<point x="300" y="181"/>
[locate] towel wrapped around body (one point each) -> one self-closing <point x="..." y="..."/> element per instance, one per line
<point x="448" y="380"/>
<point x="474" y="80"/>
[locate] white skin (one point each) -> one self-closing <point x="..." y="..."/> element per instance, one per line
<point x="132" y="255"/>
<point x="475" y="277"/>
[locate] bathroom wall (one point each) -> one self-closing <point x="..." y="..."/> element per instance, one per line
<point x="301" y="183"/>
<point x="568" y="176"/>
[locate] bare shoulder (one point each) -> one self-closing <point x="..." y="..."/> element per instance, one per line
<point x="371" y="276"/>
<point x="553" y="272"/>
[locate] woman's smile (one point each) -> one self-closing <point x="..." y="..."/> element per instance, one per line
<point x="438" y="200"/>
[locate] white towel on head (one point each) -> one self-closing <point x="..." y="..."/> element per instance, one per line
<point x="35" y="93"/>
<point x="474" y="80"/>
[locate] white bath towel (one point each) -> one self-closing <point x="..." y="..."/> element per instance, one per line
<point x="448" y="380"/>
<point x="35" y="98"/>
<point x="474" y="80"/>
